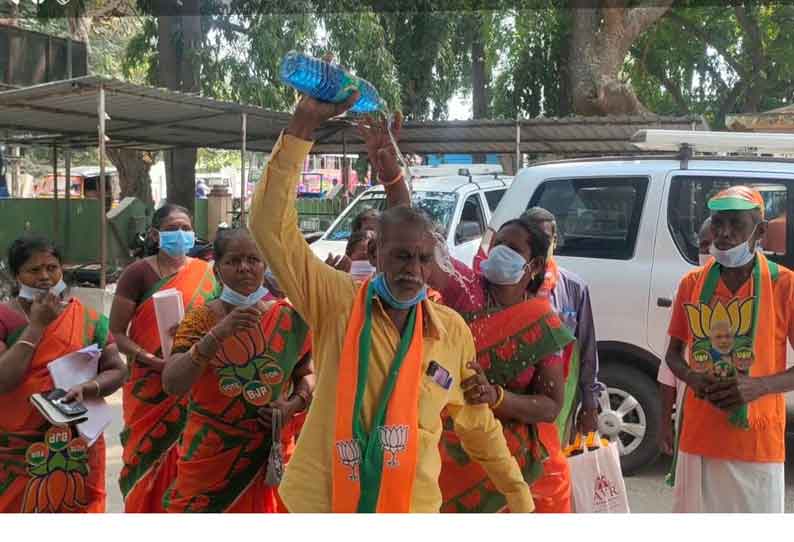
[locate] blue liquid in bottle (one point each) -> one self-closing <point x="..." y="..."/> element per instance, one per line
<point x="327" y="82"/>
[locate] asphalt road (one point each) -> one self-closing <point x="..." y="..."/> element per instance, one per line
<point x="647" y="490"/>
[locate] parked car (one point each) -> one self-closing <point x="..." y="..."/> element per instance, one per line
<point x="461" y="203"/>
<point x="629" y="226"/>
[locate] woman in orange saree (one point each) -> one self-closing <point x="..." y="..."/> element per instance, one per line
<point x="521" y="351"/>
<point x="153" y="421"/>
<point x="241" y="360"/>
<point x="45" y="468"/>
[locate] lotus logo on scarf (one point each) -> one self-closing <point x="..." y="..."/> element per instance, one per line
<point x="722" y="341"/>
<point x="350" y="456"/>
<point x="394" y="439"/>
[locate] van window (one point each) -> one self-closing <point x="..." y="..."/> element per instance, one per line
<point x="493" y="198"/>
<point x="440" y="206"/>
<point x="596" y="218"/>
<point x="686" y="211"/>
<point x="472" y="220"/>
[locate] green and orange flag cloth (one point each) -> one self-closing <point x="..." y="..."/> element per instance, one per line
<point x="374" y="468"/>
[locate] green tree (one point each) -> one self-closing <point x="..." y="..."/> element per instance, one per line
<point x="532" y="79"/>
<point x="715" y="60"/>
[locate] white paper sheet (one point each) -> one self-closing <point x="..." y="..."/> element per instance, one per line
<point x="169" y="311"/>
<point x="77" y="368"/>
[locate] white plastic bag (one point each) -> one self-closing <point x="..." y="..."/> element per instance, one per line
<point x="597" y="480"/>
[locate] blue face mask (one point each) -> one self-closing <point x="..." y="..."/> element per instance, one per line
<point x="504" y="266"/>
<point x="382" y="289"/>
<point x="177" y="243"/>
<point x="239" y="300"/>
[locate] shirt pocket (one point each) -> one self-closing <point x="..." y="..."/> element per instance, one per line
<point x="432" y="400"/>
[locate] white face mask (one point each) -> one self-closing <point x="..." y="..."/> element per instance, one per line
<point x="704" y="259"/>
<point x="504" y="266"/>
<point x="738" y="256"/>
<point x="361" y="269"/>
<point x="30" y="294"/>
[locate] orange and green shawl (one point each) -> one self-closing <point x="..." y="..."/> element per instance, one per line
<point x="153" y="420"/>
<point x="44" y="468"/>
<point x="509" y="342"/>
<point x="224" y="448"/>
<point x="374" y="468"/>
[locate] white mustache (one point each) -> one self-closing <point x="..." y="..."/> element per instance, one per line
<point x="409" y="278"/>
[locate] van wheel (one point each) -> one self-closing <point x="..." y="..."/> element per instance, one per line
<point x="629" y="413"/>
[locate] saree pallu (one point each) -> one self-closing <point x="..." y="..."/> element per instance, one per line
<point x="153" y="420"/>
<point x="225" y="449"/>
<point x="510" y="342"/>
<point x="44" y="468"/>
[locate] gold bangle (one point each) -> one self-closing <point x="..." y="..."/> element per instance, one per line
<point x="501" y="392"/>
<point x="98" y="388"/>
<point x="29" y="344"/>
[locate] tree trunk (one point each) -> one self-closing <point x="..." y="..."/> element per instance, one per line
<point x="565" y="103"/>
<point x="179" y="38"/>
<point x="479" y="79"/>
<point x="600" y="42"/>
<point x="80" y="29"/>
<point x="133" y="169"/>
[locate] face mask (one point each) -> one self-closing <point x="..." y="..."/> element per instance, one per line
<point x="177" y="243"/>
<point x="737" y="256"/>
<point x="504" y="266"/>
<point x="237" y="299"/>
<point x="29" y="293"/>
<point x="383" y="291"/>
<point x="361" y="269"/>
<point x="704" y="259"/>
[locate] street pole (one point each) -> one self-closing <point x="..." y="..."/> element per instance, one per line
<point x="56" y="215"/>
<point x="244" y="135"/>
<point x="102" y="213"/>
<point x="518" y="143"/>
<point x="67" y="164"/>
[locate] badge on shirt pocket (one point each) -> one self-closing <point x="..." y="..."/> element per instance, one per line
<point x="439" y="375"/>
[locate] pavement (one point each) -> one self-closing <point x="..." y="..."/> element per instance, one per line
<point x="647" y="490"/>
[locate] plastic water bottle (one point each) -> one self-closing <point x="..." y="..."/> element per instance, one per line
<point x="327" y="82"/>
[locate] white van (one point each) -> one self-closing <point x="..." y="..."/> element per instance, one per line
<point x="629" y="226"/>
<point x="460" y="202"/>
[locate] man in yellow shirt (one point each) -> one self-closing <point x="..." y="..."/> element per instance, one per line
<point x="387" y="360"/>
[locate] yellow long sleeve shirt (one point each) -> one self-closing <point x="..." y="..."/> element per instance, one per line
<point x="324" y="298"/>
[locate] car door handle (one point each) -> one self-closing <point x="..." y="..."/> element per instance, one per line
<point x="664" y="302"/>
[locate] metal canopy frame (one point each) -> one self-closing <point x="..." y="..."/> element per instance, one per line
<point x="106" y="113"/>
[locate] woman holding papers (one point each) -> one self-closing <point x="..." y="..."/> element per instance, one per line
<point x="153" y="421"/>
<point x="245" y="363"/>
<point x="45" y="468"/>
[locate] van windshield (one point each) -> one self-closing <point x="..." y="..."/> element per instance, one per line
<point x="439" y="205"/>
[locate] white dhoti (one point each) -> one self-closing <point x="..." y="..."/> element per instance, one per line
<point x="704" y="484"/>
